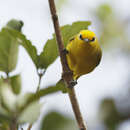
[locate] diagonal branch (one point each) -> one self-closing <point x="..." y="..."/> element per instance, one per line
<point x="67" y="74"/>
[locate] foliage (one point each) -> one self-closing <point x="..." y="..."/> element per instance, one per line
<point x="57" y="121"/>
<point x="15" y="82"/>
<point x="50" y="51"/>
<point x="8" y="50"/>
<point x="13" y="104"/>
<point x="21" y="40"/>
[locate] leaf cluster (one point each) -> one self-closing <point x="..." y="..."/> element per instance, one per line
<point x="13" y="104"/>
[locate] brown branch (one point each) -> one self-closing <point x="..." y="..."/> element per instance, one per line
<point x="67" y="74"/>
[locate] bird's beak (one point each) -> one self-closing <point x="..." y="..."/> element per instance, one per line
<point x="86" y="40"/>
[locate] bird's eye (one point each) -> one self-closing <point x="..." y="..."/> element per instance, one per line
<point x="80" y="37"/>
<point x="93" y="39"/>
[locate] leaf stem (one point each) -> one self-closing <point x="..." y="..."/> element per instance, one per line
<point x="43" y="92"/>
<point x="67" y="74"/>
<point x="29" y="127"/>
<point x="39" y="82"/>
<point x="40" y="74"/>
<point x="7" y="75"/>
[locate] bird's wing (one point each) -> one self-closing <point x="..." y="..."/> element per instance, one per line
<point x="99" y="56"/>
<point x="71" y="39"/>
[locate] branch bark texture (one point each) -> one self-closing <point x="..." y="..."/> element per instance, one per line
<point x="67" y="73"/>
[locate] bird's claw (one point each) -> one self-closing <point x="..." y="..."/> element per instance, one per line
<point x="72" y="83"/>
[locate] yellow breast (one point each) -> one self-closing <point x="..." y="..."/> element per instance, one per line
<point x="82" y="57"/>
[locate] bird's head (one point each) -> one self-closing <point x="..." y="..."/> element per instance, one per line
<point x="87" y="36"/>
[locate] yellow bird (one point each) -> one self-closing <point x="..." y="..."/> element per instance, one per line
<point x="84" y="53"/>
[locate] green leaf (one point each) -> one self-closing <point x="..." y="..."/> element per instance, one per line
<point x="50" y="51"/>
<point x="4" y="125"/>
<point x="3" y="113"/>
<point x="8" y="98"/>
<point x="109" y="114"/>
<point x="68" y="31"/>
<point x="9" y="47"/>
<point x="1" y="80"/>
<point x="15" y="82"/>
<point x="15" y="24"/>
<point x="8" y="52"/>
<point x="23" y="99"/>
<point x="49" y="54"/>
<point x="22" y="40"/>
<point x="57" y="121"/>
<point x="31" y="50"/>
<point x="31" y="113"/>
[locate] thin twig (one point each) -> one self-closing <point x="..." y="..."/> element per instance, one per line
<point x="40" y="74"/>
<point x="29" y="127"/>
<point x="13" y="125"/>
<point x="39" y="82"/>
<point x="67" y="74"/>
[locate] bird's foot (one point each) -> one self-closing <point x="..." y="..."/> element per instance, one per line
<point x="72" y="83"/>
